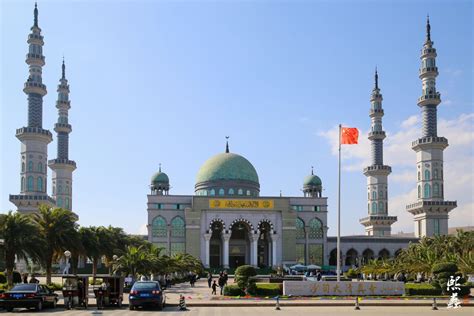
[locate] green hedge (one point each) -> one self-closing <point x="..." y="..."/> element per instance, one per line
<point x="421" y="289"/>
<point x="269" y="289"/>
<point x="445" y="267"/>
<point x="232" y="290"/>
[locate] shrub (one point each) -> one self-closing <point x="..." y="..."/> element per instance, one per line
<point x="269" y="289"/>
<point x="243" y="277"/>
<point x="351" y="273"/>
<point x="445" y="267"/>
<point x="421" y="289"/>
<point x="3" y="278"/>
<point x="55" y="287"/>
<point x="233" y="290"/>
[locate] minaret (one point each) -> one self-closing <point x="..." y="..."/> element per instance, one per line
<point x="430" y="210"/>
<point x="62" y="167"/>
<point x="378" y="223"/>
<point x="34" y="139"/>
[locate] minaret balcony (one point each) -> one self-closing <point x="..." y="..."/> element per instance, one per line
<point x="57" y="163"/>
<point x="428" y="71"/>
<point x="63" y="88"/>
<point x="377" y="170"/>
<point x="429" y="99"/>
<point x="431" y="207"/>
<point x="376" y="112"/>
<point x="62" y="127"/>
<point x="378" y="220"/>
<point x="34" y="87"/>
<point x="34" y="132"/>
<point x="40" y="197"/>
<point x="429" y="142"/>
<point x="375" y="96"/>
<point x="376" y="135"/>
<point x="35" y="59"/>
<point x="63" y="104"/>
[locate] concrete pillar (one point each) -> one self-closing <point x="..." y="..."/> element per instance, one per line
<point x="226" y="238"/>
<point x="306" y="246"/>
<point x="274" y="249"/>
<point x="253" y="249"/>
<point x="207" y="260"/>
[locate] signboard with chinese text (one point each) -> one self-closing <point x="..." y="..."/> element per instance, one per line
<point x="343" y="288"/>
<point x="241" y="204"/>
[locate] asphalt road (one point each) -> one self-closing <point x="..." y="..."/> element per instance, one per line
<point x="263" y="311"/>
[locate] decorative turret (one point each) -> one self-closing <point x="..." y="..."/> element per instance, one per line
<point x="312" y="185"/>
<point x="378" y="222"/>
<point x="34" y="139"/>
<point x="430" y="210"/>
<point x="160" y="183"/>
<point x="62" y="167"/>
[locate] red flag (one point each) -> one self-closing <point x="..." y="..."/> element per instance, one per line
<point x="349" y="135"/>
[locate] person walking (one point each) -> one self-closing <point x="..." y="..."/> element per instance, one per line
<point x="214" y="288"/>
<point x="209" y="279"/>
<point x="221" y="282"/>
<point x="226" y="277"/>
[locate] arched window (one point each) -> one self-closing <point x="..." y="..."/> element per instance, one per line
<point x="60" y="202"/>
<point x="300" y="229"/>
<point x="248" y="192"/>
<point x="435" y="174"/>
<point x="315" y="229"/>
<point x="436" y="190"/>
<point x="240" y="192"/>
<point x="374" y="207"/>
<point x="419" y="192"/>
<point x="158" y="227"/>
<point x="427" y="193"/>
<point x="427" y="174"/>
<point x="67" y="203"/>
<point x="380" y="207"/>
<point x="39" y="184"/>
<point x="30" y="166"/>
<point x="419" y="176"/>
<point x="231" y="191"/>
<point x="374" y="195"/>
<point x="368" y="195"/>
<point x="22" y="167"/>
<point x="30" y="183"/>
<point x="60" y="189"/>
<point x="212" y="192"/>
<point x="221" y="191"/>
<point x="380" y="194"/>
<point x="67" y="189"/>
<point x="40" y="167"/>
<point x="22" y="183"/>
<point x="54" y="189"/>
<point x="177" y="227"/>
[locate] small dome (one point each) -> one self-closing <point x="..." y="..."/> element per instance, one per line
<point x="160" y="178"/>
<point x="227" y="166"/>
<point x="312" y="180"/>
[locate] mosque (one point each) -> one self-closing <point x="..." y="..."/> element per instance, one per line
<point x="226" y="223"/>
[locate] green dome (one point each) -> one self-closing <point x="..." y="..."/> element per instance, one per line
<point x="227" y="166"/>
<point x="312" y="180"/>
<point x="160" y="177"/>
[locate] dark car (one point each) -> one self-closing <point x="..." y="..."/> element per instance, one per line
<point x="28" y="296"/>
<point x="146" y="293"/>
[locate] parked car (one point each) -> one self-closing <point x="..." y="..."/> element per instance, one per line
<point x="146" y="293"/>
<point x="30" y="295"/>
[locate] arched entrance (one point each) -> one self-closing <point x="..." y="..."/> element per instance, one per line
<point x="239" y="244"/>
<point x="367" y="255"/>
<point x="384" y="254"/>
<point x="264" y="244"/>
<point x="351" y="257"/>
<point x="216" y="244"/>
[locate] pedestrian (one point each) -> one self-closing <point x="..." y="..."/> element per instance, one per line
<point x="25" y="278"/>
<point x="168" y="281"/>
<point x="214" y="288"/>
<point x="209" y="279"/>
<point x="318" y="276"/>
<point x="226" y="277"/>
<point x="34" y="279"/>
<point x="221" y="282"/>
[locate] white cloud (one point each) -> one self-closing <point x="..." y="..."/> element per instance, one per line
<point x="458" y="157"/>
<point x="143" y="230"/>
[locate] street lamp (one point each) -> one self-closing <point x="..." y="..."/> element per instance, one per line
<point x="67" y="254"/>
<point x="114" y="258"/>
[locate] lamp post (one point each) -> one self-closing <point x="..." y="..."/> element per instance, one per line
<point x="67" y="254"/>
<point x="114" y="262"/>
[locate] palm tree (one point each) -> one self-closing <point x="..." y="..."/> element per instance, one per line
<point x="58" y="229"/>
<point x="90" y="244"/>
<point x="135" y="261"/>
<point x="21" y="240"/>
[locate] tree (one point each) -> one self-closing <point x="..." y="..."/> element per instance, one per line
<point x="244" y="278"/>
<point x="134" y="261"/>
<point x="90" y="245"/>
<point x="21" y="240"/>
<point x="58" y="229"/>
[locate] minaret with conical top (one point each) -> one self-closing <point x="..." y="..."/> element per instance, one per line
<point x="34" y="139"/>
<point x="430" y="210"/>
<point x="62" y="167"/>
<point x="378" y="223"/>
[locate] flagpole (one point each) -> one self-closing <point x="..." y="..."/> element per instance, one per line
<point x="338" y="269"/>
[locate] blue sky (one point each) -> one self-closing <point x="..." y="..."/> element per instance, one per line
<point x="166" y="81"/>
